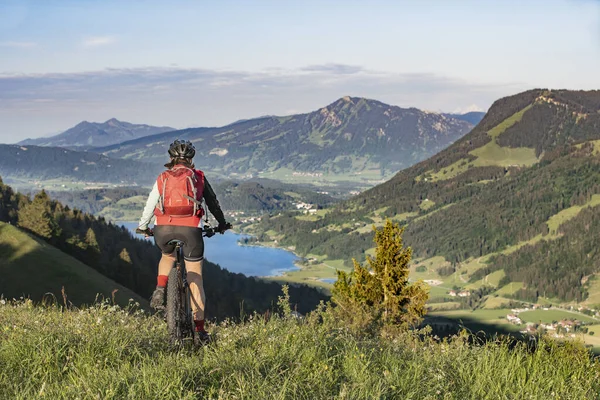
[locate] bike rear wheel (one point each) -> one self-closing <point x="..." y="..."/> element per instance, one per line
<point x="179" y="313"/>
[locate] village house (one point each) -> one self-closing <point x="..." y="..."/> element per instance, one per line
<point x="548" y="327"/>
<point x="568" y="325"/>
<point x="513" y="318"/>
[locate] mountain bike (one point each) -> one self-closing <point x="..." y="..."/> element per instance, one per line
<point x="178" y="310"/>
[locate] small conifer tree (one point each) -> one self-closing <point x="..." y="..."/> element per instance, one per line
<point x="37" y="217"/>
<point x="380" y="293"/>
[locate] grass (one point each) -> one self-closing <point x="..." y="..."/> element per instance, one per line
<point x="107" y="353"/>
<point x="480" y="319"/>
<point x="492" y="279"/>
<point x="404" y="216"/>
<point x="426" y="204"/>
<point x="565" y="215"/>
<point x="431" y="264"/>
<point x="490" y="154"/>
<point x="440" y="292"/>
<point x="313" y="217"/>
<point x="595" y="144"/>
<point x="31" y="266"/>
<point x="496" y="302"/>
<point x="594" y="292"/>
<point x="510" y="289"/>
<point x="550" y="315"/>
<point x="449" y="305"/>
<point x="368" y="177"/>
<point x="313" y="274"/>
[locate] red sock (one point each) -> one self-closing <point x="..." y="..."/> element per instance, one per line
<point x="199" y="325"/>
<point x="162" y="281"/>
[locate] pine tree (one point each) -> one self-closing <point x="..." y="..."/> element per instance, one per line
<point x="124" y="256"/>
<point x="37" y="217"/>
<point x="92" y="243"/>
<point x="380" y="291"/>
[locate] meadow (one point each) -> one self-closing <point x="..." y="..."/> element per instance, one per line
<point x="106" y="352"/>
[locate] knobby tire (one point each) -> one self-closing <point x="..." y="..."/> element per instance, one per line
<point x="179" y="314"/>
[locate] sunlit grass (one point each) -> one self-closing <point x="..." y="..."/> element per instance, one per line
<point x="107" y="353"/>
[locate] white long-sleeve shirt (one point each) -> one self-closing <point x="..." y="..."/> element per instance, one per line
<point x="151" y="203"/>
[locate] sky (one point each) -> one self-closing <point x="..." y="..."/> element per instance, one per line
<point x="207" y="63"/>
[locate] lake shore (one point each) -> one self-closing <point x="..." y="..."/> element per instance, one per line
<point x="321" y="274"/>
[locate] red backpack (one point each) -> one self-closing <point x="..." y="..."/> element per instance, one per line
<point x="180" y="190"/>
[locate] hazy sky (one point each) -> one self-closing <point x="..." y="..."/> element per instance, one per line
<point x="206" y="63"/>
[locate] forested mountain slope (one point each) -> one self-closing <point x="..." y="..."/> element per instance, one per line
<point x="110" y="250"/>
<point x="350" y="136"/>
<point x="93" y="134"/>
<point x="514" y="197"/>
<point x="42" y="163"/>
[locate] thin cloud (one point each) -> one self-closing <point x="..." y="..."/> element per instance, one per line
<point x="97" y="41"/>
<point x="204" y="97"/>
<point x="19" y="45"/>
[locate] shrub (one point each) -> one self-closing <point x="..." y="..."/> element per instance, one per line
<point x="379" y="295"/>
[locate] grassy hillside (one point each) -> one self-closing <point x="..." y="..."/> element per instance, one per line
<point x="106" y="353"/>
<point x="33" y="268"/>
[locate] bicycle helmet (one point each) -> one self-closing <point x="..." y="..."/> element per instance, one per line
<point x="182" y="149"/>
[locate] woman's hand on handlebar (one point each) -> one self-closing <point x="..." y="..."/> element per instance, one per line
<point x="146" y="232"/>
<point x="223" y="227"/>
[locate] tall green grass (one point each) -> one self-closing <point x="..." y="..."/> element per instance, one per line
<point x="104" y="352"/>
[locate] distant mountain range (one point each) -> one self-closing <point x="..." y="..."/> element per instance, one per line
<point x="94" y="134"/>
<point x="472" y="117"/>
<point x="352" y="136"/>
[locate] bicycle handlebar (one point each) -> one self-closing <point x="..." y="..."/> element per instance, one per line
<point x="206" y="231"/>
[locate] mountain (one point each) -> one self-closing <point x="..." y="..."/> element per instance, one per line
<point x="37" y="163"/>
<point x="512" y="207"/>
<point x="352" y="138"/>
<point x="473" y="117"/>
<point x="93" y="134"/>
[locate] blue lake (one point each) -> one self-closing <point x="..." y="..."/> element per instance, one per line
<point x="248" y="260"/>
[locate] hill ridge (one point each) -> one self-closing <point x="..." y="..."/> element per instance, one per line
<point x="352" y="137"/>
<point x="93" y="134"/>
<point x="48" y="270"/>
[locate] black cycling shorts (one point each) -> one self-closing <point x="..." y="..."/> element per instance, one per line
<point x="193" y="243"/>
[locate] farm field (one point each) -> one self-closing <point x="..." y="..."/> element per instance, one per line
<point x="550" y="315"/>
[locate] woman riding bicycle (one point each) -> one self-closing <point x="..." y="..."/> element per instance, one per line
<point x="175" y="201"/>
